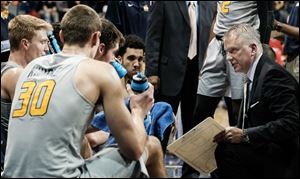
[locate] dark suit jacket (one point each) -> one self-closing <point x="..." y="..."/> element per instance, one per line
<point x="273" y="115"/>
<point x="266" y="16"/>
<point x="129" y="16"/>
<point x="167" y="41"/>
<point x="4" y="26"/>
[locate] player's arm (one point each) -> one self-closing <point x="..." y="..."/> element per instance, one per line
<point x="9" y="81"/>
<point x="127" y="128"/>
<point x="212" y="34"/>
<point x="286" y="28"/>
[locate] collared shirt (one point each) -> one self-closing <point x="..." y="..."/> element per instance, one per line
<point x="196" y="6"/>
<point x="251" y="71"/>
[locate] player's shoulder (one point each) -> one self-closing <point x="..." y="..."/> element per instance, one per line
<point x="93" y="64"/>
<point x="12" y="72"/>
<point x="95" y="72"/>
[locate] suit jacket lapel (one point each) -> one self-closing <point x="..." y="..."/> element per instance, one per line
<point x="256" y="76"/>
<point x="202" y="9"/>
<point x="184" y="10"/>
<point x="201" y="6"/>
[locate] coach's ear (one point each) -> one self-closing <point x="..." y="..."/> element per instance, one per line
<point x="253" y="50"/>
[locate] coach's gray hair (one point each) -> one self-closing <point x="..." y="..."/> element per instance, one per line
<point x="246" y="33"/>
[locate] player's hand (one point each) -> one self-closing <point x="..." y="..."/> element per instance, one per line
<point x="142" y="102"/>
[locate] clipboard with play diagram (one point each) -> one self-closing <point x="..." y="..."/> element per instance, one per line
<point x="196" y="147"/>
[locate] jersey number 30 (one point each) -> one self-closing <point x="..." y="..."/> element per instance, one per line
<point x="36" y="97"/>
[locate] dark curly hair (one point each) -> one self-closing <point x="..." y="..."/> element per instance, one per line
<point x="131" y="41"/>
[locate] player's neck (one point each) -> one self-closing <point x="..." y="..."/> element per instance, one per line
<point x="76" y="50"/>
<point x="19" y="58"/>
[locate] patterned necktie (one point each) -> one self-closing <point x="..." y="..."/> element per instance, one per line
<point x="193" y="23"/>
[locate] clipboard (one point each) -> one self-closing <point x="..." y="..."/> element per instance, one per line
<point x="196" y="147"/>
